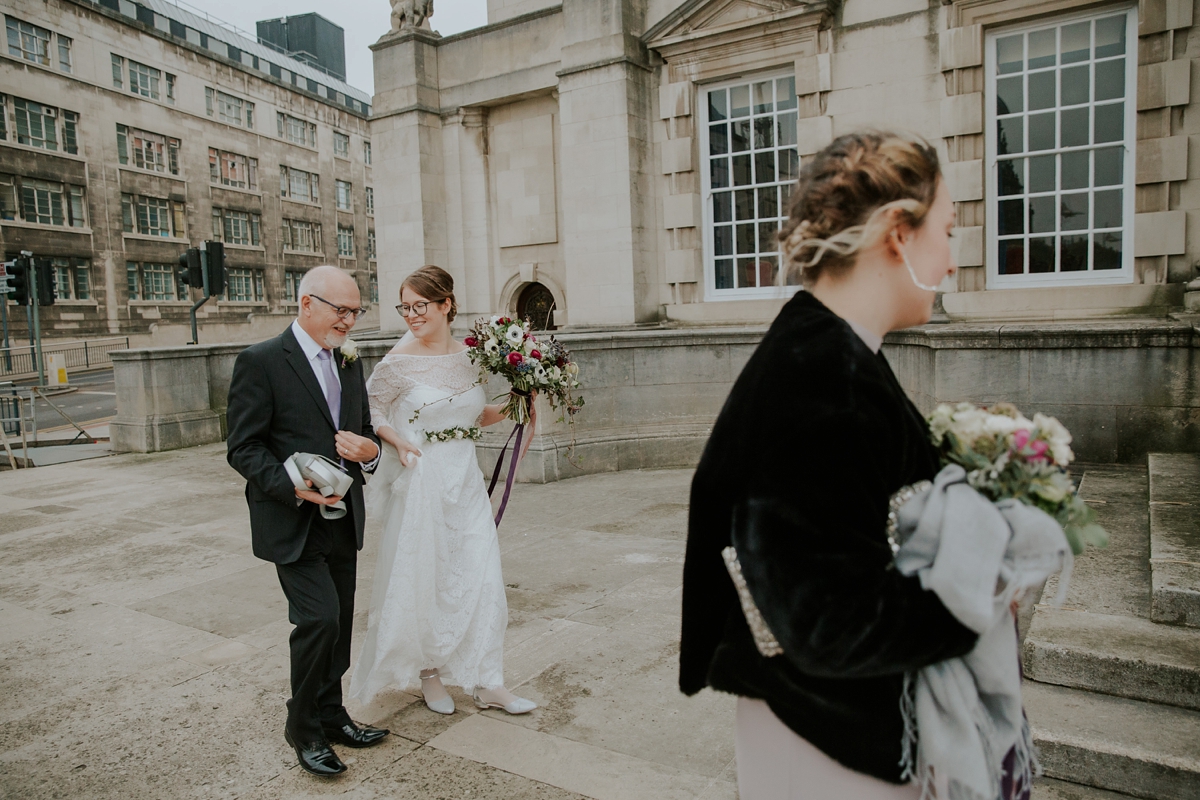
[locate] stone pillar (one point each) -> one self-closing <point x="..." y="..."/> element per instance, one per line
<point x="410" y="218"/>
<point x="604" y="101"/>
<point x="477" y="295"/>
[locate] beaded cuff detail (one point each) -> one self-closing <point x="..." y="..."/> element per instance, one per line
<point x="764" y="640"/>
<point x="901" y="497"/>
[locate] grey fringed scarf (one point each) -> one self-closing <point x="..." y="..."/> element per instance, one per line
<point x="963" y="716"/>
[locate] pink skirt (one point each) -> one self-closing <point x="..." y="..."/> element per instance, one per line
<point x="773" y="763"/>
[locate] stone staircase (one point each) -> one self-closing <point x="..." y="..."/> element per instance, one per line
<point x="1113" y="676"/>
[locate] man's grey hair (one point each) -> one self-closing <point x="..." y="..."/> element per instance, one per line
<point x="316" y="280"/>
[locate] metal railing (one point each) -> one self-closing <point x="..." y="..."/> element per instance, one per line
<point x="16" y="413"/>
<point x="19" y="361"/>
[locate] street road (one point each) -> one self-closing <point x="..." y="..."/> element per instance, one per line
<point x="94" y="402"/>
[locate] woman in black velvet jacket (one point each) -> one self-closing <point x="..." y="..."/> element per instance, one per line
<point x="816" y="436"/>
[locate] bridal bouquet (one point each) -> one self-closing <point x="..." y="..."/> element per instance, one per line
<point x="506" y="347"/>
<point x="1009" y="456"/>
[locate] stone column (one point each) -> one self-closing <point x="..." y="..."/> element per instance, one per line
<point x="477" y="295"/>
<point x="410" y="219"/>
<point x="604" y="101"/>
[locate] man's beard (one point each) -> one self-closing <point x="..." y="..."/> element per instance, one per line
<point x="335" y="339"/>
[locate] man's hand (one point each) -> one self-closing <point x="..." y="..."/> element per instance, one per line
<point x="316" y="497"/>
<point x="353" y="447"/>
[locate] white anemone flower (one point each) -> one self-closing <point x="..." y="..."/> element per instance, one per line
<point x="514" y="335"/>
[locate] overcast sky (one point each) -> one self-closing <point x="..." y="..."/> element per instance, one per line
<point x="364" y="21"/>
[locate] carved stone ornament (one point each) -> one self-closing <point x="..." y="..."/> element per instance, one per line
<point x="409" y="15"/>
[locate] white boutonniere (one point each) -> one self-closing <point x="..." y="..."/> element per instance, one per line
<point x="349" y="350"/>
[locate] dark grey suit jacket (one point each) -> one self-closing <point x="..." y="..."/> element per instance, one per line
<point x="276" y="408"/>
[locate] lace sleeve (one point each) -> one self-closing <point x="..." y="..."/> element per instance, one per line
<point x="386" y="385"/>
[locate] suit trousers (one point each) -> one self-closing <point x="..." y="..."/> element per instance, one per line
<point x="320" y="591"/>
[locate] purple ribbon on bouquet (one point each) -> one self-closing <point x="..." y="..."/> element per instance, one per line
<point x="518" y="432"/>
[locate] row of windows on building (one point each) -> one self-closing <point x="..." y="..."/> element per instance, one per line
<point x="200" y="38"/>
<point x="33" y="43"/>
<point x="153" y="282"/>
<point x="53" y="203"/>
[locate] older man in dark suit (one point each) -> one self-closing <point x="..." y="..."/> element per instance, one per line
<point x="297" y="393"/>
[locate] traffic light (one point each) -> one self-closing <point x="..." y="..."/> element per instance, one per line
<point x="45" y="282"/>
<point x="216" y="268"/>
<point x="19" y="280"/>
<point x="190" y="272"/>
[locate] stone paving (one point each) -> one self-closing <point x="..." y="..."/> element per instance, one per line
<point x="145" y="648"/>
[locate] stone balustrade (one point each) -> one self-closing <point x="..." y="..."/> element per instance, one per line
<point x="1124" y="389"/>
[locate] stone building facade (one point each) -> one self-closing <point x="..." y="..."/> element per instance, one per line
<point x="131" y="131"/>
<point x="626" y="161"/>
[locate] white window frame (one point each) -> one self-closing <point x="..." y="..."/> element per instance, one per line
<point x="345" y="237"/>
<point x="341" y="144"/>
<point x="1125" y="274"/>
<point x="710" y="292"/>
<point x="344" y="195"/>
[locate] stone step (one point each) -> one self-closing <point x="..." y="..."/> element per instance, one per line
<point x="1175" y="538"/>
<point x="1051" y="789"/>
<point x="1119" y="655"/>
<point x="1143" y="749"/>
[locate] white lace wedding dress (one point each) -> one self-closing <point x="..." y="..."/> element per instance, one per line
<point x="438" y="596"/>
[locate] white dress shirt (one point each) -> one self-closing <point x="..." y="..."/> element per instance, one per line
<point x="311" y="351"/>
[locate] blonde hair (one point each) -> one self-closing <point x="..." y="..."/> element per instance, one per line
<point x="851" y="195"/>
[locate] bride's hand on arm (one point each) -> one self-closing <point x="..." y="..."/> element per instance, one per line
<point x="406" y="450"/>
<point x="491" y="413"/>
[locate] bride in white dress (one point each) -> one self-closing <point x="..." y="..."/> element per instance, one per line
<point x="438" y="610"/>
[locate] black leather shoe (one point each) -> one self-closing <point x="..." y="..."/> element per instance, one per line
<point x="316" y="758"/>
<point x="353" y="735"/>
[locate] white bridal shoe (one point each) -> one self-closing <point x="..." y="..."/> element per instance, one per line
<point x="517" y="705"/>
<point x="435" y="694"/>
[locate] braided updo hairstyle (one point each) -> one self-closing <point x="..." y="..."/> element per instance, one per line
<point x="845" y="196"/>
<point x="435" y="285"/>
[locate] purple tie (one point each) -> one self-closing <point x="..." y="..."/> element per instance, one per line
<point x="333" y="387"/>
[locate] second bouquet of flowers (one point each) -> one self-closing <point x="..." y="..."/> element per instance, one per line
<point x="1007" y="455"/>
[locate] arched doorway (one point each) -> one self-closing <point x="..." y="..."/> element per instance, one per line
<point x="537" y="303"/>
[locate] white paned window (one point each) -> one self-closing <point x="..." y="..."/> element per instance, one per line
<point x="29" y="42"/>
<point x="237" y="227"/>
<point x="118" y="71"/>
<point x="64" y="63"/>
<point x="341" y="145"/>
<point x="147" y="150"/>
<point x="295" y="130"/>
<point x="232" y="169"/>
<point x="301" y="236"/>
<point x="371" y="245"/>
<point x="367" y="153"/>
<point x="345" y="193"/>
<point x="345" y="236"/>
<point x="158" y="282"/>
<point x="748" y="143"/>
<point x="71" y="279"/>
<point x="229" y="109"/>
<point x="244" y="286"/>
<point x="296" y="184"/>
<point x="1061" y="132"/>
<point x="291" y="284"/>
<point x="144" y="80"/>
<point x="370" y="201"/>
<point x="42" y="202"/>
<point x="37" y="125"/>
<point x="153" y="216"/>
